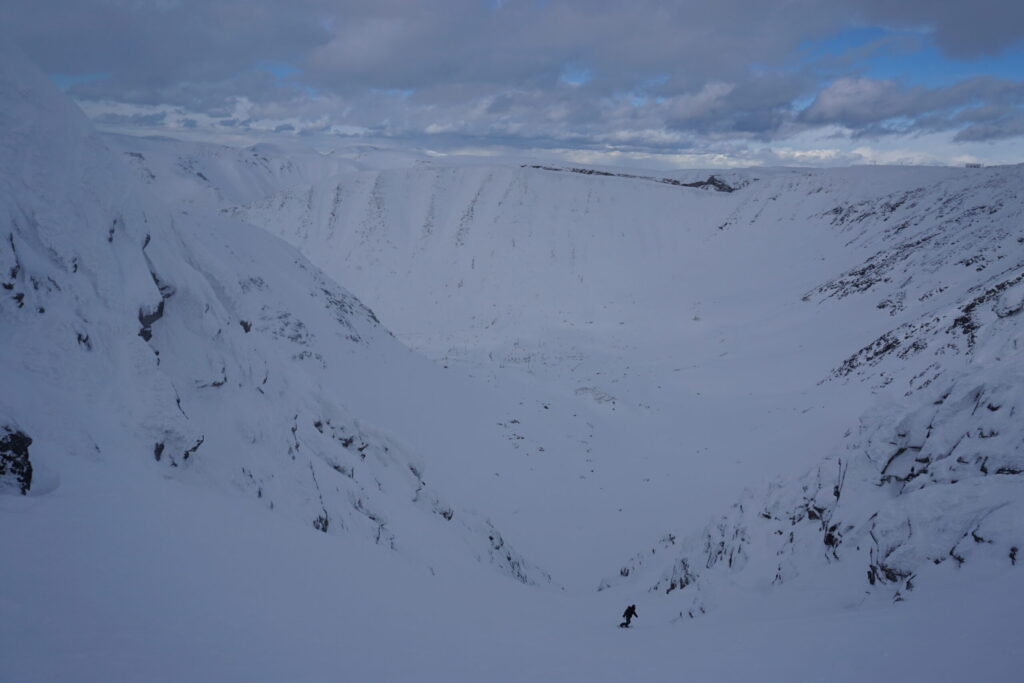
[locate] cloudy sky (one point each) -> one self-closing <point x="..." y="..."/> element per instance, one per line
<point x="656" y="83"/>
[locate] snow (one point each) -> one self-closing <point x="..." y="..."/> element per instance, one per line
<point x="195" y="586"/>
<point x="213" y="351"/>
<point x="240" y="473"/>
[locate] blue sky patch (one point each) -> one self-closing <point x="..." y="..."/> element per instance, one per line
<point x="66" y="81"/>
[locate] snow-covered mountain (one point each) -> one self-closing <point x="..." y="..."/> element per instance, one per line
<point x="160" y="342"/>
<point x="930" y="476"/>
<point x="900" y="288"/>
<point x="790" y="395"/>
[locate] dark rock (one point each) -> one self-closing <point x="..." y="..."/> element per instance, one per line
<point x="14" y="461"/>
<point x="712" y="182"/>
<point x="147" y="318"/>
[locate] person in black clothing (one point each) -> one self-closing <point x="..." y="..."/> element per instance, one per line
<point x="628" y="616"/>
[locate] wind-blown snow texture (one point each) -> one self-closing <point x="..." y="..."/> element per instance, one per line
<point x="809" y="379"/>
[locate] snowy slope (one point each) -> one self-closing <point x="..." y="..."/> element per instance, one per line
<point x="931" y="475"/>
<point x="910" y="493"/>
<point x="162" y="344"/>
<point x="189" y="172"/>
<point x="624" y="301"/>
<point x="198" y="587"/>
<point x="809" y="378"/>
<point x="865" y="286"/>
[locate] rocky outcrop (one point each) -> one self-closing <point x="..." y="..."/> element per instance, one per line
<point x="713" y="182"/>
<point x="15" y="466"/>
<point x="909" y="490"/>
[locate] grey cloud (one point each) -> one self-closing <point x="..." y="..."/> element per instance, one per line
<point x="661" y="72"/>
<point x="856" y="102"/>
<point x="526" y="44"/>
<point x="962" y="29"/>
<point x="982" y="107"/>
<point x="153" y="119"/>
<point x="152" y="44"/>
<point x="1007" y="126"/>
<point x="146" y="46"/>
<point x="213" y="97"/>
<point x="422" y="43"/>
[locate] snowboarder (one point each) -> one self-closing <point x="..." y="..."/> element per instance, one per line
<point x="628" y="616"/>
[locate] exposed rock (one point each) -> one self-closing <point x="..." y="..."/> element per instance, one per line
<point x="15" y="467"/>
